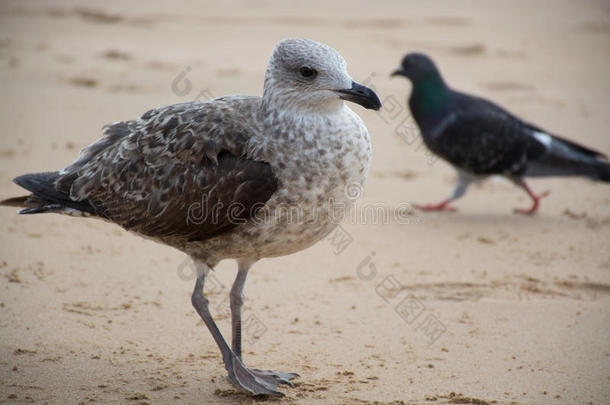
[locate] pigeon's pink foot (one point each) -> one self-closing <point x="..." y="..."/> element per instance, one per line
<point x="443" y="206"/>
<point x="536" y="201"/>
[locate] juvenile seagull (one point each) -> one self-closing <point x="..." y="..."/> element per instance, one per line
<point x="197" y="175"/>
<point x="480" y="138"/>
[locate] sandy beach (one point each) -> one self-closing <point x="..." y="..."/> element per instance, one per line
<point x="480" y="306"/>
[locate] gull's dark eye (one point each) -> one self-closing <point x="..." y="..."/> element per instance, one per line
<point x="307" y="72"/>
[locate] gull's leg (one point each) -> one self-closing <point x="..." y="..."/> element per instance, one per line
<point x="464" y="180"/>
<point x="535" y="198"/>
<point x="237" y="300"/>
<point x="239" y="374"/>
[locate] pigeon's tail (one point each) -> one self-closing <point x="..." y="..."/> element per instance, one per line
<point x="566" y="158"/>
<point x="46" y="198"/>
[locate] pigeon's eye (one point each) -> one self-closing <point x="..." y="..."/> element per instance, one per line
<point x="307" y="72"/>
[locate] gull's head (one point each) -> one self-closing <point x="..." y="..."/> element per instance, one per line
<point x="305" y="75"/>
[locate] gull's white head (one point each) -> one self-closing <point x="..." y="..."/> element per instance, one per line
<point x="307" y="76"/>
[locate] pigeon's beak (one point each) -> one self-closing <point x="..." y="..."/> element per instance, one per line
<point x="398" y="72"/>
<point x="362" y="95"/>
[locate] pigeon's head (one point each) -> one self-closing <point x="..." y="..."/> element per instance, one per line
<point x="417" y="67"/>
<point x="307" y="76"/>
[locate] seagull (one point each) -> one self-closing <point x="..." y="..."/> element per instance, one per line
<point x="213" y="178"/>
<point x="480" y="139"/>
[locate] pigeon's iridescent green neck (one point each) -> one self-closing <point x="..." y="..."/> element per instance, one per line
<point x="430" y="93"/>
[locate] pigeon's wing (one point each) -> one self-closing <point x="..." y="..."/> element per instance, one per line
<point x="179" y="172"/>
<point x="481" y="138"/>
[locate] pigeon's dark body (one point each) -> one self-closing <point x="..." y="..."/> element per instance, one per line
<point x="480" y="138"/>
<point x="476" y="135"/>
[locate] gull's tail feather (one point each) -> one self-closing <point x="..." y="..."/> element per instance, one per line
<point x="604" y="172"/>
<point x="566" y="158"/>
<point x="18" y="202"/>
<point x="45" y="197"/>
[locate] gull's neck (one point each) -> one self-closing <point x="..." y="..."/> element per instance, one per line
<point x="294" y="104"/>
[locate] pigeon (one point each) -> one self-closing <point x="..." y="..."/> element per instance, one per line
<point x="213" y="179"/>
<point x="480" y="138"/>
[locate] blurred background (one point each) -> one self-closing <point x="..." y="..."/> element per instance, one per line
<point x="520" y="305"/>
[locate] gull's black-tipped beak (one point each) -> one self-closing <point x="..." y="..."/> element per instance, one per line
<point x="398" y="72"/>
<point x="362" y="95"/>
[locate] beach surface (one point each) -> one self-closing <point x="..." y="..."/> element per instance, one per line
<point x="479" y="306"/>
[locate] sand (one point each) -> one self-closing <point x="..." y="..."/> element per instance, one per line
<point x="479" y="306"/>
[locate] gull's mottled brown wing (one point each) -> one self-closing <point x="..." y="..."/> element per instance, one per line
<point x="180" y="172"/>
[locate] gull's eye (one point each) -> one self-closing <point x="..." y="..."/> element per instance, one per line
<point x="307" y="72"/>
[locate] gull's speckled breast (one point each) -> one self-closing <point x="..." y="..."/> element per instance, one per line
<point x="315" y="158"/>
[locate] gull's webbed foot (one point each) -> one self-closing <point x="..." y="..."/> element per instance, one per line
<point x="257" y="382"/>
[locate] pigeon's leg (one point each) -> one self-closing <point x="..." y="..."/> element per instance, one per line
<point x="442" y="206"/>
<point x="464" y="181"/>
<point x="535" y="198"/>
<point x="244" y="378"/>
<point x="237" y="300"/>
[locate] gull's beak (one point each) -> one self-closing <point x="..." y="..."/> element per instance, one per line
<point x="398" y="72"/>
<point x="362" y="95"/>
